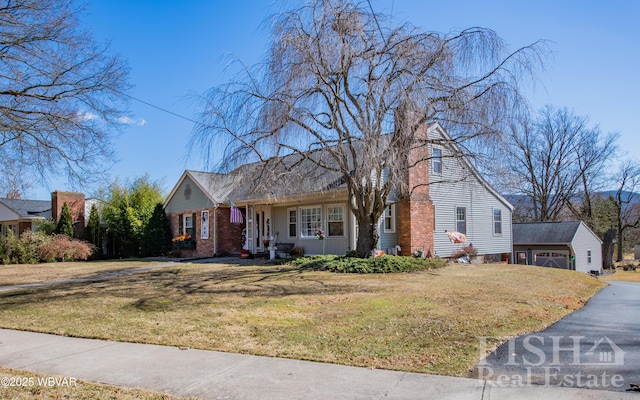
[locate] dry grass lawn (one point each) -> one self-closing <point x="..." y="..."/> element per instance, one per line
<point x="426" y="321"/>
<point x="623" y="276"/>
<point x="16" y="274"/>
<point x="32" y="386"/>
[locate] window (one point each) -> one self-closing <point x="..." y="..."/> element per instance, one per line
<point x="461" y="220"/>
<point x="389" y="219"/>
<point x="437" y="161"/>
<point x="9" y="228"/>
<point x="335" y="215"/>
<point x="589" y="256"/>
<point x="293" y="222"/>
<point x="310" y="221"/>
<point x="186" y="224"/>
<point x="497" y="222"/>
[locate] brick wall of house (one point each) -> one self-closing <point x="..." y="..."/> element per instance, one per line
<point x="204" y="247"/>
<point x="416" y="214"/>
<point x="227" y="235"/>
<point x="75" y="202"/>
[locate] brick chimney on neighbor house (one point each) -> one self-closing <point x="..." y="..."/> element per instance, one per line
<point x="75" y="202"/>
<point x="416" y="213"/>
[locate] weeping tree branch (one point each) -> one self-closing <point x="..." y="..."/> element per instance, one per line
<point x="336" y="84"/>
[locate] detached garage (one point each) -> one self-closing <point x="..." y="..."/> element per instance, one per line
<point x="566" y="245"/>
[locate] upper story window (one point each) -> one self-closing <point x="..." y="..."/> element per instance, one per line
<point x="389" y="219"/>
<point x="436" y="161"/>
<point x="497" y="221"/>
<point x="461" y="220"/>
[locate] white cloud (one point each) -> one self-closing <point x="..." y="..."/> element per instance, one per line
<point x="86" y="116"/>
<point x="133" y="121"/>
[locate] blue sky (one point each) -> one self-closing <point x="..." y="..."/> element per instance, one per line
<point x="176" y="49"/>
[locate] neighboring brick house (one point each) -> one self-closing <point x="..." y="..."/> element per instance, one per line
<point x="19" y="215"/>
<point x="76" y="203"/>
<point x="449" y="195"/>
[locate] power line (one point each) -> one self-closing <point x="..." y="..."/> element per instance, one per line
<point x="375" y="18"/>
<point x="156" y="107"/>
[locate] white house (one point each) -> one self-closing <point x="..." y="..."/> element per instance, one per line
<point x="449" y="195"/>
<point x="565" y="244"/>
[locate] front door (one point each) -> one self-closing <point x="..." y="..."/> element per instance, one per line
<point x="262" y="227"/>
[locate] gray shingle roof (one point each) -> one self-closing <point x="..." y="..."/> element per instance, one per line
<point x="561" y="232"/>
<point x="285" y="177"/>
<point x="29" y="208"/>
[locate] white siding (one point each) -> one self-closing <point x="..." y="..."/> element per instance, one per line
<point x="7" y="215"/>
<point x="459" y="186"/>
<point x="583" y="242"/>
<point x="389" y="240"/>
<point x="332" y="245"/>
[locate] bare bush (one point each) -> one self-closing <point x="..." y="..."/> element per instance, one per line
<point x="63" y="248"/>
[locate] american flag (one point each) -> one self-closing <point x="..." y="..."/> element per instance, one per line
<point x="236" y="214"/>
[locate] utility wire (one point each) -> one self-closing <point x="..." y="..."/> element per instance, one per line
<point x="156" y="107"/>
<point x="375" y="18"/>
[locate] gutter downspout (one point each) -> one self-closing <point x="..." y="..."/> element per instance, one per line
<point x="215" y="230"/>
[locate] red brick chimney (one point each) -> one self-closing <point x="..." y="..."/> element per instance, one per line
<point x="416" y="214"/>
<point x="75" y="202"/>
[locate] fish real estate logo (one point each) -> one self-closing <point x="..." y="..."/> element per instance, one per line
<point x="570" y="361"/>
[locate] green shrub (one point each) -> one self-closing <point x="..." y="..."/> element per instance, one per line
<point x="65" y="223"/>
<point x="378" y="265"/>
<point x="33" y="247"/>
<point x="10" y="248"/>
<point x="30" y="244"/>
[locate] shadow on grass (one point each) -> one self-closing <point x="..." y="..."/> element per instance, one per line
<point x="164" y="289"/>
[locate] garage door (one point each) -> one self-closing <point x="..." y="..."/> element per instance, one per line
<point x="553" y="259"/>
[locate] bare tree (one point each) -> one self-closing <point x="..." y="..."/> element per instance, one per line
<point x="554" y="163"/>
<point x="60" y="92"/>
<point x="594" y="152"/>
<point x="626" y="202"/>
<point x="346" y="90"/>
<point x="14" y="183"/>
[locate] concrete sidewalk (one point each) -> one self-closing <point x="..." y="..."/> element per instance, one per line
<point x="215" y="375"/>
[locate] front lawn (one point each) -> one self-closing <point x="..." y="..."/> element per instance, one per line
<point x="427" y="321"/>
<point x="16" y="274"/>
<point x="623" y="276"/>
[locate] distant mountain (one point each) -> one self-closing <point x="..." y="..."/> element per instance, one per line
<point x="522" y="199"/>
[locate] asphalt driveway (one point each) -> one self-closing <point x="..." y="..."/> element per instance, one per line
<point x="596" y="347"/>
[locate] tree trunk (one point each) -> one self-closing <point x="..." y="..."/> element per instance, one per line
<point x="607" y="248"/>
<point x="367" y="236"/>
<point x="620" y="255"/>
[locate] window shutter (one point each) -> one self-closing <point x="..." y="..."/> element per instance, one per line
<point x="193" y="226"/>
<point x="180" y="225"/>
